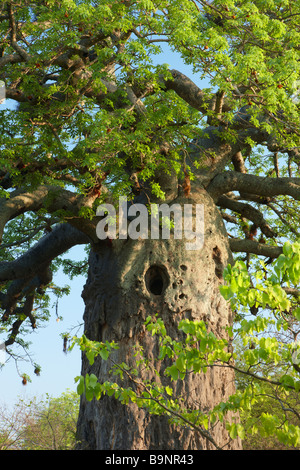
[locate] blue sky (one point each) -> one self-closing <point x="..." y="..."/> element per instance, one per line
<point x="58" y="369"/>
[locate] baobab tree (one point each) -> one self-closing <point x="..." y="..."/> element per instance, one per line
<point x="96" y="118"/>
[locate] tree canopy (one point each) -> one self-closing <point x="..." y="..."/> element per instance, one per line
<point x="93" y="116"/>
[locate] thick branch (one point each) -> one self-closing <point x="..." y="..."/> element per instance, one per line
<point x="13" y="34"/>
<point x="31" y="272"/>
<point x="245" y="210"/>
<point x="24" y="287"/>
<point x="239" y="163"/>
<point x="62" y="238"/>
<point x="54" y="198"/>
<point x="11" y="59"/>
<point x="292" y="291"/>
<point x="212" y="153"/>
<point x="251" y="246"/>
<point x="187" y="90"/>
<point x="251" y="184"/>
<point x="24" y="312"/>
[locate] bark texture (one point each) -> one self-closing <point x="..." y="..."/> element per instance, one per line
<point x="137" y="278"/>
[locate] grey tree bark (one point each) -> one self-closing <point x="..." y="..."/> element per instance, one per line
<point x="137" y="278"/>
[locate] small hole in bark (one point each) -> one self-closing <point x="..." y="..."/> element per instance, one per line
<point x="156" y="279"/>
<point x="183" y="267"/>
<point x="217" y="257"/>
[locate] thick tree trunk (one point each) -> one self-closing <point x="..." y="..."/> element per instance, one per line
<point x="136" y="278"/>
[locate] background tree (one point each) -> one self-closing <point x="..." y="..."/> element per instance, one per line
<point x="53" y="424"/>
<point x="40" y="424"/>
<point x="12" y="424"/>
<point x="96" y="119"/>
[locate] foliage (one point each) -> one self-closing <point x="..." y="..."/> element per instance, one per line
<point x="46" y="424"/>
<point x="278" y="410"/>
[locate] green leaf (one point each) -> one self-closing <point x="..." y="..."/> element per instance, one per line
<point x="80" y="386"/>
<point x="93" y="381"/>
<point x="91" y="357"/>
<point x="180" y="363"/>
<point x="104" y="353"/>
<point x="241" y="431"/>
<point x="233" y="431"/>
<point x="296" y="313"/>
<point x="287" y="381"/>
<point x="173" y="371"/>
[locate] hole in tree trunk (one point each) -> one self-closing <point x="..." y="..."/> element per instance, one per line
<point x="156" y="279"/>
